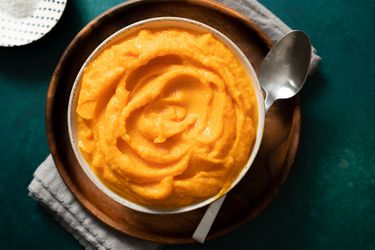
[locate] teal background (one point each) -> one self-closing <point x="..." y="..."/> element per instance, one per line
<point x="327" y="202"/>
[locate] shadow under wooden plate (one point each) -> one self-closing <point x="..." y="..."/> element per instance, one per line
<point x="250" y="196"/>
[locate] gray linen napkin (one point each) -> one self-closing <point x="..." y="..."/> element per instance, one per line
<point x="48" y="188"/>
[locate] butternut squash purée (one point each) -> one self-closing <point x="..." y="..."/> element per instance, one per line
<point x="166" y="117"/>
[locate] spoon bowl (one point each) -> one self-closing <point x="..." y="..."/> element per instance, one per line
<point x="284" y="69"/>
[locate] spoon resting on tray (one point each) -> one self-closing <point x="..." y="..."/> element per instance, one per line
<point x="282" y="74"/>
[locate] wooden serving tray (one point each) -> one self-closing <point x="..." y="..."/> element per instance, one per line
<point x="251" y="195"/>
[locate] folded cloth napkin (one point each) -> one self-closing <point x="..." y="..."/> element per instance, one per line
<point x="48" y="188"/>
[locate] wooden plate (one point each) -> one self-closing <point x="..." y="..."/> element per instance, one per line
<point x="251" y="195"/>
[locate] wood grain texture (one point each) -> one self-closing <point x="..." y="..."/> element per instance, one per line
<point x="250" y="196"/>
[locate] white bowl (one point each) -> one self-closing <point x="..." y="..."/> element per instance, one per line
<point x="164" y="22"/>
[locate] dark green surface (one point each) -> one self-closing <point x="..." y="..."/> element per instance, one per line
<point x="328" y="201"/>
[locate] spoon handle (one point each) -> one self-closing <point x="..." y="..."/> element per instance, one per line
<point x="268" y="103"/>
<point x="207" y="220"/>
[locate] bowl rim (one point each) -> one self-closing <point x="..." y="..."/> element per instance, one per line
<point x="132" y="28"/>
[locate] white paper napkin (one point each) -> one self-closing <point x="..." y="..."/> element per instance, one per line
<point x="48" y="188"/>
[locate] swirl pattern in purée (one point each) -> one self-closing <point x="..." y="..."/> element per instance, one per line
<point x="166" y="117"/>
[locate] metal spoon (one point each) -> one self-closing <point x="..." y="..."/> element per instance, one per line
<point x="282" y="75"/>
